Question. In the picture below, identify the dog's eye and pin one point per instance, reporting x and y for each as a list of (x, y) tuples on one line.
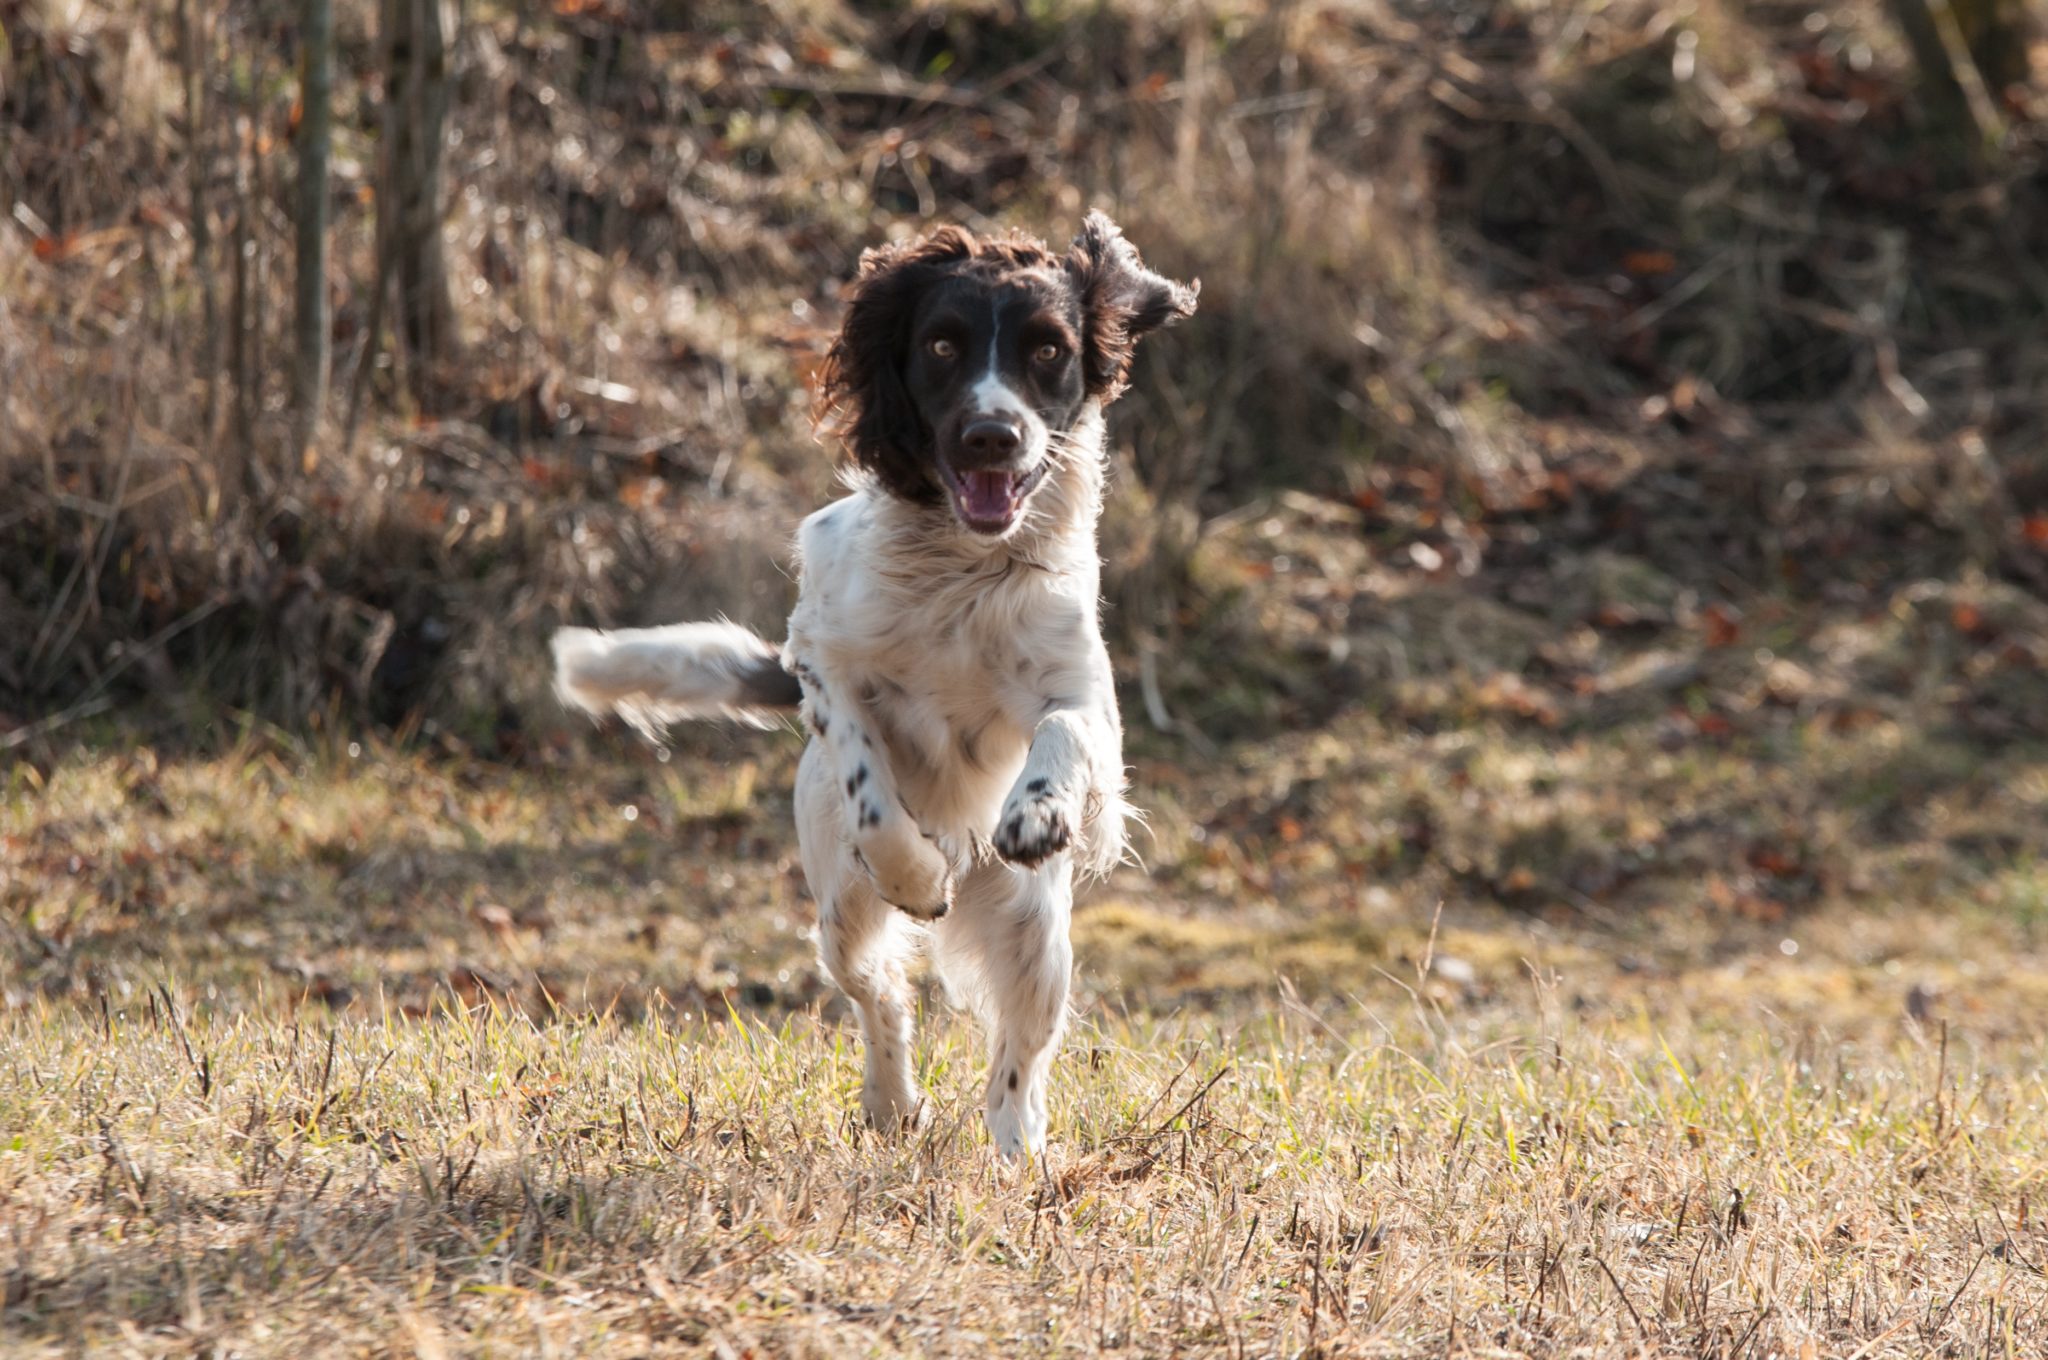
[(943, 349), (1046, 354)]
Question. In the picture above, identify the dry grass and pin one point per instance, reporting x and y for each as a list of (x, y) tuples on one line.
[(1413, 1180), (311, 1051)]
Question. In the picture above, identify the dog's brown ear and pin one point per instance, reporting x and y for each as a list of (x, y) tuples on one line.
[(1121, 300), (861, 387)]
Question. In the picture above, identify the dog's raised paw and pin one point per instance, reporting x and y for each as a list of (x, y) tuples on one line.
[(1034, 826), (921, 908), (917, 882)]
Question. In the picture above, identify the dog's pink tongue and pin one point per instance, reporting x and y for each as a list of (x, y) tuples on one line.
[(986, 494)]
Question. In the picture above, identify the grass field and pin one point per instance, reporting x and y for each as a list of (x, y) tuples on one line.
[(1579, 594), (384, 1052)]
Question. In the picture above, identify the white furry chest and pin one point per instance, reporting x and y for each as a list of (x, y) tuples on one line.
[(954, 698), (951, 654)]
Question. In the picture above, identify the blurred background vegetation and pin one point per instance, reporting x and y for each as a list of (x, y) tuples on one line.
[(1609, 469), (1740, 291)]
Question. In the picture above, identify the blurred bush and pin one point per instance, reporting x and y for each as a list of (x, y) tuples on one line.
[(1722, 287)]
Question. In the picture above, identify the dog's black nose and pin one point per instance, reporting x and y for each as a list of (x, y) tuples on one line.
[(989, 440)]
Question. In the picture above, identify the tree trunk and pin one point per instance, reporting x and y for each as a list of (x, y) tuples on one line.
[(1998, 34), (315, 332), (195, 42), (1968, 52), (243, 337), (418, 40)]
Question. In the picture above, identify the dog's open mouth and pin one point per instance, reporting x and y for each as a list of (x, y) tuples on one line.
[(988, 500)]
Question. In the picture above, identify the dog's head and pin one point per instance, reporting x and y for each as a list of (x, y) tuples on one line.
[(965, 362)]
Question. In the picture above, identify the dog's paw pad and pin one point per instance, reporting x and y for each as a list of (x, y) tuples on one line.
[(1034, 827)]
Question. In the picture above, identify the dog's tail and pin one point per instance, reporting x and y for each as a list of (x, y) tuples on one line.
[(655, 676)]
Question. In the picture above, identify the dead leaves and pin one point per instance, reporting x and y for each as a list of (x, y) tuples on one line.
[(1721, 624), (1653, 263), (1512, 696)]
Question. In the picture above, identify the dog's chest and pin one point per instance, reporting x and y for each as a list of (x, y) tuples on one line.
[(955, 675), (957, 687)]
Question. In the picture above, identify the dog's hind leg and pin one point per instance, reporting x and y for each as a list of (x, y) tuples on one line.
[(1005, 951), (863, 943)]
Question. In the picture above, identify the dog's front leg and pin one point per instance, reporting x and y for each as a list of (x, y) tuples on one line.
[(1075, 757), (909, 871)]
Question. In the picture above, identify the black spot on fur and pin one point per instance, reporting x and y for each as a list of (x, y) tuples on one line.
[(1037, 785), (1013, 1079), (763, 683)]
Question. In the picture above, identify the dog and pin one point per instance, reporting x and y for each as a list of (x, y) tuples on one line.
[(965, 760)]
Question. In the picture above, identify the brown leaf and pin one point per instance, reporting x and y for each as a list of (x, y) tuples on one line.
[(643, 493), (1774, 862), (1504, 692), (1722, 624), (156, 215)]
